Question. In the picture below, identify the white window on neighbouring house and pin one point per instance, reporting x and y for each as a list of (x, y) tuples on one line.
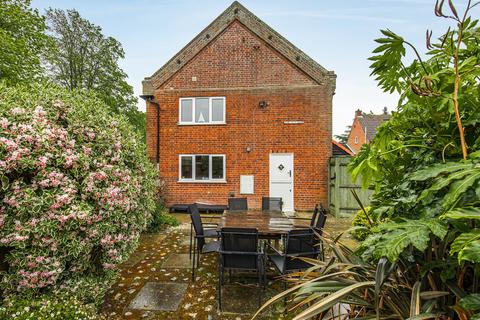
[(202, 110), (356, 140), (202, 167)]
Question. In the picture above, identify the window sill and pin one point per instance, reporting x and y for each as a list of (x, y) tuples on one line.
[(202, 124), (202, 181)]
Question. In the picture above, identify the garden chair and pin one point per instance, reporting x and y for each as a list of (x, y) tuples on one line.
[(200, 246), (312, 220), (209, 229), (237, 204), (298, 243), (319, 226), (272, 204), (240, 250)]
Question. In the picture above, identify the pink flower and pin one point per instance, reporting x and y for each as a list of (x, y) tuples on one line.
[(42, 162), (86, 150), (4, 123), (108, 265), (16, 111)]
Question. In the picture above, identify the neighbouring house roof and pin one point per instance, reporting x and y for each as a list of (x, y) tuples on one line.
[(339, 149), (370, 122), (238, 12)]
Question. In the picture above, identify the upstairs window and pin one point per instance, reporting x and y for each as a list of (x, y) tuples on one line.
[(202, 110), (202, 167)]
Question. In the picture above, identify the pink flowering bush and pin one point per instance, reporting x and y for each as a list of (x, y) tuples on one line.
[(76, 190)]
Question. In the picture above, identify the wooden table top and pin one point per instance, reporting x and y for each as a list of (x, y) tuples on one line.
[(266, 222)]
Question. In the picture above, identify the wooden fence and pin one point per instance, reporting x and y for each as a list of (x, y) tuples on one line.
[(341, 200)]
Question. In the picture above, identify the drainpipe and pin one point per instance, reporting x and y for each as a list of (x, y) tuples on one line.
[(151, 99)]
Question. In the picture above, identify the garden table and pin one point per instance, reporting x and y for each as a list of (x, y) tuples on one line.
[(268, 223)]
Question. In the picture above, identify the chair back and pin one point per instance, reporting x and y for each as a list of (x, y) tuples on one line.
[(272, 204), (322, 219), (314, 216), (197, 224), (237, 204), (239, 247), (300, 243)]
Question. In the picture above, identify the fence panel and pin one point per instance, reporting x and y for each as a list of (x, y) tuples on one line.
[(342, 202)]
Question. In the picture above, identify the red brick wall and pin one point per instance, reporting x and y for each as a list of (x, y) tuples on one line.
[(356, 131), (241, 67)]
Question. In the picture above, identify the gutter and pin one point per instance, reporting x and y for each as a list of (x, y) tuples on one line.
[(151, 99)]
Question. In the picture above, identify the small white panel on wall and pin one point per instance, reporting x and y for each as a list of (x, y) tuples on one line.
[(246, 184)]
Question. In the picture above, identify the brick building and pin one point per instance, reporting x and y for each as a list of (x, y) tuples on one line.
[(364, 128), (240, 111)]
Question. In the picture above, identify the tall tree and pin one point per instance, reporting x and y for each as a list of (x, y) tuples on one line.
[(22, 41), (343, 138), (84, 58)]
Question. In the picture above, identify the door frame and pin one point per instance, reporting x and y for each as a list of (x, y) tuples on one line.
[(293, 174)]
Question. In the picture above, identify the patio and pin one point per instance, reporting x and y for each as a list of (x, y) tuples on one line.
[(155, 283)]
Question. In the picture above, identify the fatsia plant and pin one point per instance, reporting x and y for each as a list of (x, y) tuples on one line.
[(425, 161)]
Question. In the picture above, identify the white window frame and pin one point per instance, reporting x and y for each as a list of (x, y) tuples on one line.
[(210, 122), (356, 139), (210, 179)]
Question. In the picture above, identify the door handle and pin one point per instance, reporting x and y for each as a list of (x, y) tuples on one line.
[(290, 173)]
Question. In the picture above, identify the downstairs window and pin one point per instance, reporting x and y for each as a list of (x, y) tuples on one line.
[(202, 167)]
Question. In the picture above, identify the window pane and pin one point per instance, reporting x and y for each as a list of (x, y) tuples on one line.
[(201, 167), (186, 167), (186, 108), (201, 110), (217, 110), (217, 167)]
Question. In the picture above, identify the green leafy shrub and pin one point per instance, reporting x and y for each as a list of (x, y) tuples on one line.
[(48, 308), (362, 224), (76, 190), (161, 219)]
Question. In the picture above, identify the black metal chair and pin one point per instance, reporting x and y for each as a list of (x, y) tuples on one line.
[(298, 243), (322, 219), (312, 220), (272, 204), (237, 204), (240, 251), (209, 229), (200, 246)]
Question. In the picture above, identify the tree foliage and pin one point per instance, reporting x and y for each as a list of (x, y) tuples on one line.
[(84, 58), (22, 41)]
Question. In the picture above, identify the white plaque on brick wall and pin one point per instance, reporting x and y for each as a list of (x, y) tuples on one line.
[(246, 184)]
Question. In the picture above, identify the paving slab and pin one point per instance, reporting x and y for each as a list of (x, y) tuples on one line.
[(159, 296), (134, 258), (178, 260)]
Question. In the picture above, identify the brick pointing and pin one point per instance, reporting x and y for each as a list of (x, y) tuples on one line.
[(242, 67)]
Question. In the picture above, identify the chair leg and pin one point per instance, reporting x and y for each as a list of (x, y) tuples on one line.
[(198, 258), (191, 235), (220, 283), (285, 298), (193, 261)]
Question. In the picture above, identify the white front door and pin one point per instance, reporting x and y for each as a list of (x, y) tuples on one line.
[(281, 178)]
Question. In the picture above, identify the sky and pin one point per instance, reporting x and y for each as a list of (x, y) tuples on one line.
[(339, 35)]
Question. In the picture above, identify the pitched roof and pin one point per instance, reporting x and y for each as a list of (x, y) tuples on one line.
[(238, 12), (339, 149), (370, 122)]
